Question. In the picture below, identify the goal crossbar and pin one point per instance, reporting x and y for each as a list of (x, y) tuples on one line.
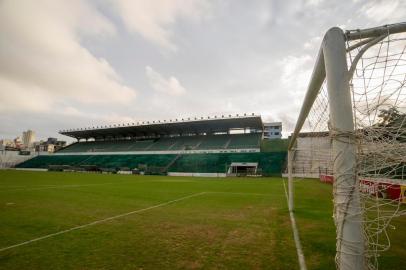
[(319, 72)]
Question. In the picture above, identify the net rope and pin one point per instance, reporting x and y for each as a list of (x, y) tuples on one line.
[(378, 90)]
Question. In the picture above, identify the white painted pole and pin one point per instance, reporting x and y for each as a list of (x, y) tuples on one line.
[(347, 212), (376, 31), (316, 81), (290, 180)]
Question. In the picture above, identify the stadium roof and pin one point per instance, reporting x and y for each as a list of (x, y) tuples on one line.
[(164, 128)]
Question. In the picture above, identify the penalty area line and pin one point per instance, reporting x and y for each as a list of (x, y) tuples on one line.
[(101, 221)]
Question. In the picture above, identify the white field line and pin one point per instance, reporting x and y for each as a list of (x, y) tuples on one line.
[(243, 193), (237, 193), (126, 214), (13, 187), (52, 187), (101, 221), (300, 255), (39, 187), (5, 188)]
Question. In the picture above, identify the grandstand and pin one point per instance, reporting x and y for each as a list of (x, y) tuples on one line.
[(186, 147), (177, 143)]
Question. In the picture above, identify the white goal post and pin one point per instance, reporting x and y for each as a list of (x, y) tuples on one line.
[(345, 115)]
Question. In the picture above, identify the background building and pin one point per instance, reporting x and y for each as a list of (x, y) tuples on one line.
[(28, 138), (50, 145), (6, 143), (273, 130), (18, 143)]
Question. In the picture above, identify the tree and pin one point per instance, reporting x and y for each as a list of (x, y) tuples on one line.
[(391, 117)]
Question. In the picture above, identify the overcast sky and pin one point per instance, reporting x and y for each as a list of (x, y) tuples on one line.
[(71, 64)]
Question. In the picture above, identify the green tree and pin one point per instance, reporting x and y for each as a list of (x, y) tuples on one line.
[(391, 117)]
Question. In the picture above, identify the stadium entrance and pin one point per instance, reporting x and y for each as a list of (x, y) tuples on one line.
[(243, 169)]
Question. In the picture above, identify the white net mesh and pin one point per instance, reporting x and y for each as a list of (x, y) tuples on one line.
[(378, 97)]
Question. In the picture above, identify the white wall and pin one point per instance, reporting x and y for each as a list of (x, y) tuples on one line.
[(312, 156), (11, 158)]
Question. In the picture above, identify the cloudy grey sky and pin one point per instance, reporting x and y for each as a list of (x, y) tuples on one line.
[(70, 64)]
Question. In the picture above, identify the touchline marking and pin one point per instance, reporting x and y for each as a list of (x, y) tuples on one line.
[(51, 187), (101, 221), (22, 187), (241, 193), (300, 255)]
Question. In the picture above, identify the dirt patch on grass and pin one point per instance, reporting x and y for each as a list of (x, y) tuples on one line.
[(240, 237), (244, 214), (202, 232), (190, 265)]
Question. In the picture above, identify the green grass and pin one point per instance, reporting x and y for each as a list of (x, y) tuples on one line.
[(231, 226)]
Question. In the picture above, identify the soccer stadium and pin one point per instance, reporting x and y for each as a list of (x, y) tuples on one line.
[(232, 190), (224, 146)]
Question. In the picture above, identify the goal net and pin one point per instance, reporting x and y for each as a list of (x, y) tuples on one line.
[(351, 133)]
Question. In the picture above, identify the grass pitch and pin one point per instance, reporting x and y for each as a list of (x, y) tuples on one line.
[(184, 223)]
